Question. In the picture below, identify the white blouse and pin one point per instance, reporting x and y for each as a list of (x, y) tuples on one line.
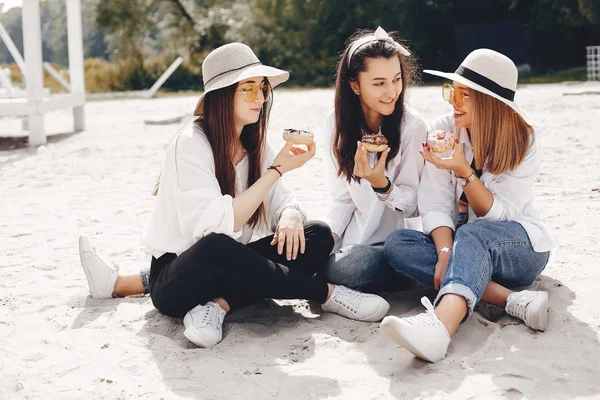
[(513, 193), (355, 213), (189, 204)]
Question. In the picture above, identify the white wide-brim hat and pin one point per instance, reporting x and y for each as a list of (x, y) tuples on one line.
[(491, 73), (232, 63)]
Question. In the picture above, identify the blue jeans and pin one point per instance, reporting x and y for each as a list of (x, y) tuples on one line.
[(482, 251), (362, 267)]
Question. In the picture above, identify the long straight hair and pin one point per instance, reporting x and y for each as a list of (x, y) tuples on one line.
[(217, 122), (350, 121), (500, 137)]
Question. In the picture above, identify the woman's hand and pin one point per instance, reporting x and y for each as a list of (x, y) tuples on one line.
[(375, 176), (290, 157), (457, 161), (440, 270), (290, 232)]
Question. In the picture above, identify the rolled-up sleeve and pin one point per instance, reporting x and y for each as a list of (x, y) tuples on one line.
[(437, 190), (436, 198), (513, 190), (279, 197), (341, 204), (404, 194), (201, 207)]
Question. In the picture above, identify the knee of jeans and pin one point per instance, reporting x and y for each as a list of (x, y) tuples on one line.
[(402, 236), (396, 243), (468, 233)]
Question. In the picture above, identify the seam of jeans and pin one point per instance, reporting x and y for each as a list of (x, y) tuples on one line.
[(488, 258)]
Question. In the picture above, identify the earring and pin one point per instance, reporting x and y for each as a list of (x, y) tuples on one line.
[(356, 92)]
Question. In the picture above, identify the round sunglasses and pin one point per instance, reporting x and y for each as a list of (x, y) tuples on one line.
[(251, 93), (449, 92)]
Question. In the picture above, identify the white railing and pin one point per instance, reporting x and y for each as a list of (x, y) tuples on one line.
[(593, 63)]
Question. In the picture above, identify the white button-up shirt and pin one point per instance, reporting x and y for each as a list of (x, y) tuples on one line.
[(513, 193), (189, 204), (355, 213)]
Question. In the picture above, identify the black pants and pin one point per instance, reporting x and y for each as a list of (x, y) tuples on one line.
[(219, 266)]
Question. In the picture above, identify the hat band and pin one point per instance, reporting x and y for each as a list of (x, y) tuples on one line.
[(486, 83), (231, 70)]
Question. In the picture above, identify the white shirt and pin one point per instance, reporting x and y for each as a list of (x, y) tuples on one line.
[(513, 193), (355, 213), (189, 204)]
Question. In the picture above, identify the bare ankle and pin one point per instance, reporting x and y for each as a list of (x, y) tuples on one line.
[(451, 310), (128, 285), (330, 289), (221, 302)]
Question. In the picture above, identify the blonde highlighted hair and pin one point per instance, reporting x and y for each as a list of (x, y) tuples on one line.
[(500, 137)]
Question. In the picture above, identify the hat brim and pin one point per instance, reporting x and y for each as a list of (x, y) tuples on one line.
[(462, 80), (274, 75)]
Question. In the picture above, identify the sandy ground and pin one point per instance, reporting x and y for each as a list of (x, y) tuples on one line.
[(57, 342)]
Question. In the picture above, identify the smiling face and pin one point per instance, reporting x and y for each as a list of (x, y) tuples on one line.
[(245, 113), (463, 116), (379, 87)]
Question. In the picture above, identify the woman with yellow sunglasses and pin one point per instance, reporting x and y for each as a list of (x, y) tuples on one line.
[(487, 181), (219, 183)]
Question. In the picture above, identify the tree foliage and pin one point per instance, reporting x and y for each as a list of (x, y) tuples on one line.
[(306, 36)]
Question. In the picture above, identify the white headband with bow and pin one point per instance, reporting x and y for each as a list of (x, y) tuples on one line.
[(380, 34)]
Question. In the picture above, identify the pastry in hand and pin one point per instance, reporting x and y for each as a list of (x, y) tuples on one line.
[(440, 140), (298, 136), (375, 142)]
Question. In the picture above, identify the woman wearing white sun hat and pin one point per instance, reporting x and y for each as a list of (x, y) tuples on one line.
[(489, 178), (219, 182)]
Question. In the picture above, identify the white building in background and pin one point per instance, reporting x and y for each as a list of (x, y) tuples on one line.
[(35, 102)]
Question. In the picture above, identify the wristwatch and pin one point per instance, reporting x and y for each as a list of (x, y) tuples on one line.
[(465, 181)]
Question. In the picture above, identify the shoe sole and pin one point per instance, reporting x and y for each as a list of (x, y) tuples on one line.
[(394, 329), (192, 334), (540, 302), (88, 274)]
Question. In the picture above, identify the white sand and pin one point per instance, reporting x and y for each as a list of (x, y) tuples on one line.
[(56, 342)]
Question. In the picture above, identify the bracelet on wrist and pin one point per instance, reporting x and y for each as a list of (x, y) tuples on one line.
[(384, 189), (446, 250), (276, 168), (465, 181), (297, 208)]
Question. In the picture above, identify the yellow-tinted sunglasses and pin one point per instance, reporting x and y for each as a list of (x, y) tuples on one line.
[(251, 93), (458, 96)]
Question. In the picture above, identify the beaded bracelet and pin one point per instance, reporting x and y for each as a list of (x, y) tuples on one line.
[(297, 208)]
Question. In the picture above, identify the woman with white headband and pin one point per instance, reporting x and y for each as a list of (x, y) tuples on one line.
[(489, 176), (219, 182), (371, 194)]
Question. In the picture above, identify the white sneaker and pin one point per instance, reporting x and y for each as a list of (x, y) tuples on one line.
[(101, 275), (204, 324), (424, 334), (356, 305), (529, 306)]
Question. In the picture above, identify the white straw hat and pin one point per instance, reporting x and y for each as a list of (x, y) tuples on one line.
[(491, 73), (232, 63)]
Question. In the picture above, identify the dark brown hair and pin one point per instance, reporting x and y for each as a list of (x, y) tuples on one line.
[(217, 122), (349, 118)]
